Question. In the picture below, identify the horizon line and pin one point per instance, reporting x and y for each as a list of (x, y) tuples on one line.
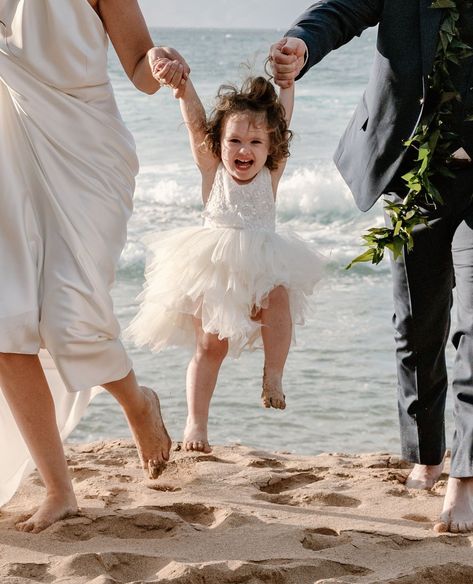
[(187, 27)]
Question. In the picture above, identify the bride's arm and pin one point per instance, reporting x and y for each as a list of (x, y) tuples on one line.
[(129, 34)]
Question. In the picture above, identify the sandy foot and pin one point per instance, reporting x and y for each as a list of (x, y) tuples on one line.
[(457, 514), (424, 476), (195, 438), (151, 437), (53, 509), (272, 395)]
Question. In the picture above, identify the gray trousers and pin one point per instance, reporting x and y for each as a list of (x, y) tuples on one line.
[(423, 280)]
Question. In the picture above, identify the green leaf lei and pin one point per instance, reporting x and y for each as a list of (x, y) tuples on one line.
[(433, 139)]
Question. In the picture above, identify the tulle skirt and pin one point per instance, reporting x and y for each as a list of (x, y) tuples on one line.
[(222, 276)]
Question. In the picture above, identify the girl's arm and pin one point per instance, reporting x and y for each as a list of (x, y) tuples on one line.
[(194, 116), (193, 113), (286, 98), (129, 35)]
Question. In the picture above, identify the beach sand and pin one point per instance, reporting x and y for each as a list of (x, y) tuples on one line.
[(238, 515)]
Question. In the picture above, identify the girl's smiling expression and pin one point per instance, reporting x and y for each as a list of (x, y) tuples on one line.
[(245, 146)]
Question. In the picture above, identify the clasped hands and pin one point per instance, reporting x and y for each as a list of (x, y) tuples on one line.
[(169, 68), (287, 57)]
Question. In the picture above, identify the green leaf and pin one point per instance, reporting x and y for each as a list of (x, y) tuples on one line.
[(367, 256), (397, 228), (443, 4)]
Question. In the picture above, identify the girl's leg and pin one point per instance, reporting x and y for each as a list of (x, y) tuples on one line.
[(27, 392), (202, 374), (277, 333), (142, 410)]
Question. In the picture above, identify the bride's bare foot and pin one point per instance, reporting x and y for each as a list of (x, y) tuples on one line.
[(424, 476), (272, 395), (457, 513), (195, 438), (54, 508), (151, 437)]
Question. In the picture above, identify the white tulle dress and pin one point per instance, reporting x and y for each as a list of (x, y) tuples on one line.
[(222, 272)]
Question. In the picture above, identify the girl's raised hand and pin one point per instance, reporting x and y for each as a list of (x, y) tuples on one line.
[(170, 73)]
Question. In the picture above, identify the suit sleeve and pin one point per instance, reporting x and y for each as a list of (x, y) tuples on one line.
[(329, 24)]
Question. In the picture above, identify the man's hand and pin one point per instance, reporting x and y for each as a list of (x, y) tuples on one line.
[(287, 57), (169, 68)]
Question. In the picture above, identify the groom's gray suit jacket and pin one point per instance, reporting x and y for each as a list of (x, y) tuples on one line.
[(372, 147)]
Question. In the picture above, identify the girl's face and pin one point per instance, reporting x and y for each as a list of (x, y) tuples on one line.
[(244, 146)]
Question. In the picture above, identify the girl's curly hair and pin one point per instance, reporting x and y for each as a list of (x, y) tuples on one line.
[(258, 98)]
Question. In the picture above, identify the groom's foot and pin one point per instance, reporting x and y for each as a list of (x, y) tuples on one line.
[(195, 438), (272, 395), (151, 437), (424, 476), (457, 514)]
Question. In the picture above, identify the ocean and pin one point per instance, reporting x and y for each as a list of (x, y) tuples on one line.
[(340, 379)]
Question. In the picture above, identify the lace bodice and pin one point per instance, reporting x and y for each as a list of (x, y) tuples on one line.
[(248, 206)]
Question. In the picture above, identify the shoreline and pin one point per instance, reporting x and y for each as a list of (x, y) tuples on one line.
[(236, 515)]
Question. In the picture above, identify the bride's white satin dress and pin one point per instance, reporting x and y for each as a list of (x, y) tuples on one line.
[(67, 171)]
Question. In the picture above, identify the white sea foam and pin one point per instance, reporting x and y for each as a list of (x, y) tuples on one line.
[(317, 193)]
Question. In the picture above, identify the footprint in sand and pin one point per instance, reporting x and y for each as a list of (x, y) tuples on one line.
[(264, 463), (191, 513), (188, 461), (210, 458), (141, 525), (28, 571), (271, 571), (305, 499), (324, 531), (122, 478), (110, 461), (115, 497), (322, 538), (450, 573), (277, 485), (81, 473), (406, 493), (108, 567)]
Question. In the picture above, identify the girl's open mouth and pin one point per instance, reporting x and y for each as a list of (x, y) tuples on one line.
[(243, 164)]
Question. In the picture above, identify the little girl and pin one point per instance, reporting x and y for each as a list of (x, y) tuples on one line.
[(232, 283)]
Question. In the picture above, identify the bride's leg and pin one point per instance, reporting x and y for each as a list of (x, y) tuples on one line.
[(277, 333), (143, 412), (202, 374), (27, 392)]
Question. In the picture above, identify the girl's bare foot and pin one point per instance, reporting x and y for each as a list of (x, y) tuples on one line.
[(195, 438), (272, 395), (54, 508), (424, 476), (151, 437), (457, 514)]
